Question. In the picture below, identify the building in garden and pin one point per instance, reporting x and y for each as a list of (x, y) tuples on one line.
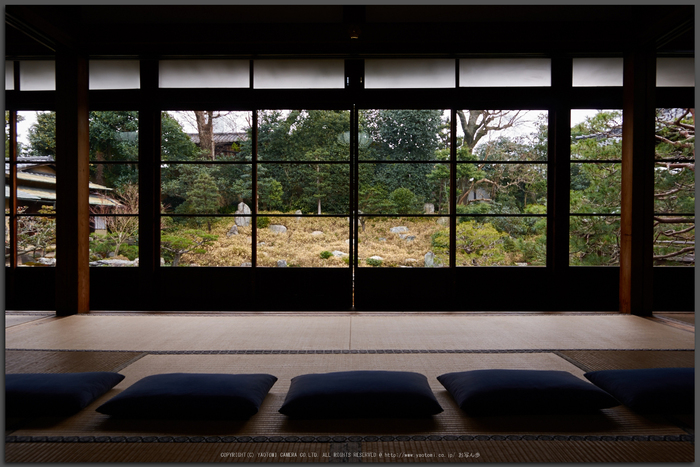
[(402, 187)]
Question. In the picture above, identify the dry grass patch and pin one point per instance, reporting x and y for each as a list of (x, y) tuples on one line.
[(302, 244)]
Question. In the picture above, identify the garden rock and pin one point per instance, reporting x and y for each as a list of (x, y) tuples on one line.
[(409, 238), (429, 208), (316, 233), (400, 229), (382, 239), (378, 258), (233, 231), (443, 220), (429, 259), (298, 213), (281, 263), (276, 228), (243, 212), (111, 263), (246, 265), (339, 254)]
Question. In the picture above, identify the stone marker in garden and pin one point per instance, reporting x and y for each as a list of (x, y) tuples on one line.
[(242, 215), (429, 259)]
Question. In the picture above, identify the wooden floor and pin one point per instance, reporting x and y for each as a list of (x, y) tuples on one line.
[(286, 345)]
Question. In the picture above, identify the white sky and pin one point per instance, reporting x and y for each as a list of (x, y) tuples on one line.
[(237, 122)]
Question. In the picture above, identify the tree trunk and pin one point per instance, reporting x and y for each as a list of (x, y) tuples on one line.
[(205, 129)]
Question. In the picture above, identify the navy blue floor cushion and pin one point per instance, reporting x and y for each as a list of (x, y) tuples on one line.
[(360, 394), (191, 396), (55, 394), (659, 390), (500, 392)]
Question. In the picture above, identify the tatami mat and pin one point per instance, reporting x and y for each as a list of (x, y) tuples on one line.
[(39, 361), (688, 318), (374, 452), (629, 359), (14, 320), (268, 422), (347, 332)]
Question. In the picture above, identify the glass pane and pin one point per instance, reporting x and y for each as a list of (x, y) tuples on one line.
[(675, 72), (39, 75), (304, 135), (403, 188), (595, 188), (409, 73), (674, 173), (34, 192), (598, 71), (114, 136), (502, 135), (206, 135), (304, 242), (499, 241), (310, 188), (36, 139), (114, 240), (204, 241), (204, 73), (114, 188), (9, 75), (403, 242), (36, 238), (501, 188), (594, 241), (299, 74), (115, 74), (404, 135), (490, 72), (205, 188), (675, 134), (596, 134), (674, 241)]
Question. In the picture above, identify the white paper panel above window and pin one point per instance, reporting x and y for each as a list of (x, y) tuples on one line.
[(204, 74), (505, 72), (398, 73), (114, 74), (675, 72), (299, 74), (39, 75), (593, 72), (9, 75)]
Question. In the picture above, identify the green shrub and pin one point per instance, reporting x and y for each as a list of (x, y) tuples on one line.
[(374, 262), (263, 222), (326, 254)]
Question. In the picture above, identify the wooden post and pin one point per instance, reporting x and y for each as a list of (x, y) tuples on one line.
[(559, 180), (637, 200), (149, 186), (72, 178)]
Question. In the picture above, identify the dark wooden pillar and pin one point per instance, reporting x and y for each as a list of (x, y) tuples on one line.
[(149, 186), (558, 182), (637, 205), (72, 178)]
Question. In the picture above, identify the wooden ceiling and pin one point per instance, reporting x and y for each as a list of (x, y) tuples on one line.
[(325, 30)]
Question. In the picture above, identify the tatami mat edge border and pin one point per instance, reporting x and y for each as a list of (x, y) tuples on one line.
[(335, 439)]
